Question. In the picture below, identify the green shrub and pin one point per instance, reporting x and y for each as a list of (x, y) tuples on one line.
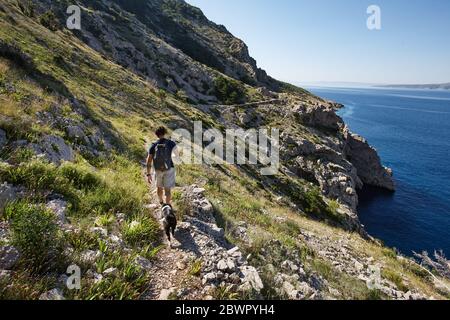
[(80, 177), (27, 8), (141, 231), (228, 91), (49, 20), (120, 189), (34, 232)]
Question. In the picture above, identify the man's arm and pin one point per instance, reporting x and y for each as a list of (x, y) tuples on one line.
[(149, 167)]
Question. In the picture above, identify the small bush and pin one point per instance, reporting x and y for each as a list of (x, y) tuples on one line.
[(34, 231), (228, 91), (49, 20), (196, 268), (141, 231)]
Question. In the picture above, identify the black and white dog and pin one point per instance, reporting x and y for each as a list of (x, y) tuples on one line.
[(169, 220)]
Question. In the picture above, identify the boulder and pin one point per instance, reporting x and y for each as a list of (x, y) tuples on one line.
[(111, 272), (55, 294), (166, 293), (7, 194), (54, 149), (9, 256), (143, 263), (90, 256), (251, 276), (59, 208)]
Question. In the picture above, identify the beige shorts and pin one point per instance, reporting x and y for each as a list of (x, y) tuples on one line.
[(166, 179)]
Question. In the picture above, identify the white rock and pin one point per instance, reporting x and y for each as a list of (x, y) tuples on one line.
[(143, 263), (59, 208), (222, 265), (290, 291), (231, 265), (181, 265), (111, 272), (251, 275), (198, 191), (9, 256), (7, 194), (90, 256), (232, 251), (359, 266), (166, 293), (54, 294), (100, 231), (209, 277)]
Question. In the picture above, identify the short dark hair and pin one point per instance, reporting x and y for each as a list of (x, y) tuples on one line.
[(161, 132)]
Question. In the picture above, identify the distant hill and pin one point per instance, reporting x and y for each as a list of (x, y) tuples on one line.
[(442, 86)]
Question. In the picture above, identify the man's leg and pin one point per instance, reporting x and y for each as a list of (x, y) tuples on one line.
[(160, 195), (168, 193)]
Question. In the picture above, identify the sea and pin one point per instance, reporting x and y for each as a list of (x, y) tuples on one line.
[(411, 131)]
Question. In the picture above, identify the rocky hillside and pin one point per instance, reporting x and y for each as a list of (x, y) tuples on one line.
[(77, 109)]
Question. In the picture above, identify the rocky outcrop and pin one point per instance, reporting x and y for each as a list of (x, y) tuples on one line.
[(54, 149), (367, 161), (319, 116), (223, 264)]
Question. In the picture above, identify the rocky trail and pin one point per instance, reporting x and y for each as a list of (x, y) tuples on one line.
[(201, 264)]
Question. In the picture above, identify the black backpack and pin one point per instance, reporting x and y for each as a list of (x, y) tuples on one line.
[(162, 159)]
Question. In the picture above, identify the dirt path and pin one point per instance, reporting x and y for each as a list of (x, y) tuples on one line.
[(201, 261), (171, 277)]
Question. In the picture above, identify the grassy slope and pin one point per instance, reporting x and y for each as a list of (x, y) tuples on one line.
[(131, 108)]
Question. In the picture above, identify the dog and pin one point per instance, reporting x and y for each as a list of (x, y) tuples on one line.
[(169, 221)]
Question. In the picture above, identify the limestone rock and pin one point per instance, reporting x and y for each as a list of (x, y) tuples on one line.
[(90, 256), (7, 194), (319, 115), (55, 294), (251, 275), (111, 272), (59, 207), (9, 256), (54, 149), (143, 263), (100, 231), (166, 293), (367, 161)]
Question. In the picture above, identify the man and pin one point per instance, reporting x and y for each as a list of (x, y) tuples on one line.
[(160, 156)]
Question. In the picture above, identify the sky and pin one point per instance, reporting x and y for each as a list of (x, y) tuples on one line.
[(304, 41)]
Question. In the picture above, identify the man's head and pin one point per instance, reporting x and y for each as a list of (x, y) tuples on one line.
[(161, 132)]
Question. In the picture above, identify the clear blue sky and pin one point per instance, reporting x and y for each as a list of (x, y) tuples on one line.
[(328, 40)]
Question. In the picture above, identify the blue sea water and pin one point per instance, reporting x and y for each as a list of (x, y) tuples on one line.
[(411, 131)]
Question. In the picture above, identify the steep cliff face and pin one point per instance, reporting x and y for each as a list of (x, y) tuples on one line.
[(166, 41)]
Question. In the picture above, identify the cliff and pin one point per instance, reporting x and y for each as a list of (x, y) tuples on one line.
[(77, 109)]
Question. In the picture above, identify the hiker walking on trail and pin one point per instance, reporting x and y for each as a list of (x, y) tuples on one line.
[(160, 157)]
